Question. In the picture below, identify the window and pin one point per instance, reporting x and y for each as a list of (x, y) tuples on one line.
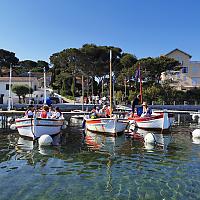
[(7, 86), (184, 78), (35, 87), (179, 58), (185, 70)]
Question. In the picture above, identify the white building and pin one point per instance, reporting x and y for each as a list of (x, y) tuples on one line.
[(186, 78), (4, 87)]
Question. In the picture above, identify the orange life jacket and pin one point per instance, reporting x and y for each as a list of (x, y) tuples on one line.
[(44, 114)]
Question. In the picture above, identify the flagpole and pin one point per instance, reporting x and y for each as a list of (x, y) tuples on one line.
[(110, 83), (140, 84), (45, 92)]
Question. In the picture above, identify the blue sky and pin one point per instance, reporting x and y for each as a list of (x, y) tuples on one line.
[(35, 29)]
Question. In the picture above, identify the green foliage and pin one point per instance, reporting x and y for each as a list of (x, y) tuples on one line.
[(63, 89), (132, 95), (151, 68), (151, 93), (119, 96), (7, 58), (21, 91)]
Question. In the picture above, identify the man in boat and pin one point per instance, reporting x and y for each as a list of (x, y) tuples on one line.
[(136, 101), (94, 113), (146, 111)]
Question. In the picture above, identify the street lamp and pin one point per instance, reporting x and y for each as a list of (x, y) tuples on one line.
[(29, 81)]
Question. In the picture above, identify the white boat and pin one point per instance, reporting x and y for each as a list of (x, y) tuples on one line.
[(36, 127), (77, 119), (112, 126), (161, 121)]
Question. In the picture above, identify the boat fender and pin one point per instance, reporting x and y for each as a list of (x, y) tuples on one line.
[(64, 126), (45, 140), (13, 127), (150, 138), (196, 133), (195, 140)]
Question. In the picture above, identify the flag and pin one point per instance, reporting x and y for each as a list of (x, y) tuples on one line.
[(137, 74)]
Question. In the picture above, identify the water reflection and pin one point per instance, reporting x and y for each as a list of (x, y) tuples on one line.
[(24, 144), (101, 167), (161, 140)]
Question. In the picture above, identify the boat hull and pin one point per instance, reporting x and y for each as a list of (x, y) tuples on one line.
[(106, 125), (34, 128), (158, 121)]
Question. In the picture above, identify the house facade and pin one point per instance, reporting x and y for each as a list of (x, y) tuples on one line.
[(188, 77), (4, 87)]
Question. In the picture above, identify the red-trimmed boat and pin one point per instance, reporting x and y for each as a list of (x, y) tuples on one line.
[(36, 127), (110, 126), (157, 120)]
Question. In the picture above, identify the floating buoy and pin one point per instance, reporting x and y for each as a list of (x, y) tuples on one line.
[(195, 117), (13, 127), (148, 146), (150, 138), (64, 126), (195, 140), (196, 133), (45, 140)]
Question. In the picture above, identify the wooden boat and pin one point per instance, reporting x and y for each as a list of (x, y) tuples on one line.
[(36, 127), (112, 126), (160, 121)]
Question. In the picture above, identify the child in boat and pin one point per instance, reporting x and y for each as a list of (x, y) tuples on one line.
[(94, 113), (102, 111), (45, 112), (146, 111), (57, 114), (29, 113)]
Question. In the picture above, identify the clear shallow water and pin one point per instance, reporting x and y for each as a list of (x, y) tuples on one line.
[(100, 167)]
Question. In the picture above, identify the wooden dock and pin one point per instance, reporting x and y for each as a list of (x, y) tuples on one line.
[(178, 110)]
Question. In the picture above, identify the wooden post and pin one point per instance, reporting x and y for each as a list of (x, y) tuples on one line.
[(110, 83)]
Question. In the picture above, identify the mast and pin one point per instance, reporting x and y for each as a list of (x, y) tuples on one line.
[(82, 93), (45, 92), (140, 84), (9, 94), (110, 82)]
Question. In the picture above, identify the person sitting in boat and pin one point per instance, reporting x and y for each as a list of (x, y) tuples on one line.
[(45, 112), (57, 114), (108, 111), (94, 113), (146, 111), (30, 112), (102, 111)]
